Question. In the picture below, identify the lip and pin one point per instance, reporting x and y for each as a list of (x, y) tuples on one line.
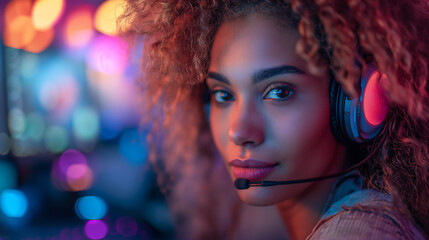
[(251, 169)]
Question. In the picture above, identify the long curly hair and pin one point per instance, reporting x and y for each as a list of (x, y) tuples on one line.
[(178, 35)]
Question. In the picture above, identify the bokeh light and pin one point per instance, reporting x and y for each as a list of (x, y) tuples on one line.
[(78, 30), (133, 147), (19, 29), (70, 157), (40, 41), (90, 208), (59, 90), (35, 126), (13, 203), (71, 172), (95, 229), (9, 175), (30, 64), (16, 8), (45, 13), (108, 55), (19, 32), (56, 139), (5, 143), (107, 15), (126, 226), (86, 124), (79, 177), (16, 121)]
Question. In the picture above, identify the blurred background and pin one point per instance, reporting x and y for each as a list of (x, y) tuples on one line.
[(72, 152)]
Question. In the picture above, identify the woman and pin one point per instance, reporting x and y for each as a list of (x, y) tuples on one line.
[(269, 68)]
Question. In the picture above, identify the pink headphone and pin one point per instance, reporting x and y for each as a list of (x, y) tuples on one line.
[(359, 119)]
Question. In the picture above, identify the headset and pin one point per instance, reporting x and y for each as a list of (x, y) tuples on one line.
[(360, 119), (352, 120)]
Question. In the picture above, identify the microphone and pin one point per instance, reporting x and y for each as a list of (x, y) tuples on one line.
[(242, 183)]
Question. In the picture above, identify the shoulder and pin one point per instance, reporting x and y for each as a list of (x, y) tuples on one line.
[(361, 222), (373, 217)]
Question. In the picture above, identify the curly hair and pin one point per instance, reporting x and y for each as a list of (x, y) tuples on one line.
[(178, 35)]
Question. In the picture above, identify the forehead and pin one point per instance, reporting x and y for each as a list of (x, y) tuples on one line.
[(256, 41)]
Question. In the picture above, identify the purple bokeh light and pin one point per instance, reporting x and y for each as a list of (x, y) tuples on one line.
[(69, 158), (95, 229)]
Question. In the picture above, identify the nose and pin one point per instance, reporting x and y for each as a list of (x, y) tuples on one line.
[(247, 126)]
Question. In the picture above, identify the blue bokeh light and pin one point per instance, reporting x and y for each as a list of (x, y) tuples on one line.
[(90, 208), (13, 203), (9, 175), (133, 147), (86, 124)]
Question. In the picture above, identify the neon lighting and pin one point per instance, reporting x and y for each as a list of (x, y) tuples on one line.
[(78, 31), (375, 103), (13, 203), (46, 13), (95, 229), (90, 208), (107, 15)]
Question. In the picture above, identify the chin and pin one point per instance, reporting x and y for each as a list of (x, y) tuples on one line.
[(260, 197)]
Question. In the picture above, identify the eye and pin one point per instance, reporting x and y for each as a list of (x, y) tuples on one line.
[(222, 96), (279, 92)]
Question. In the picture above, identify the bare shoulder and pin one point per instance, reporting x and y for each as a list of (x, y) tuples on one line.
[(364, 222)]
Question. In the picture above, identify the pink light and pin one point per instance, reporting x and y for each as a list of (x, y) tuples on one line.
[(68, 158), (71, 171), (79, 177), (76, 171), (95, 229), (78, 30), (108, 55), (375, 103)]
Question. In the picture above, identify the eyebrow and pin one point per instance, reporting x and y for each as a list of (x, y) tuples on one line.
[(260, 75)]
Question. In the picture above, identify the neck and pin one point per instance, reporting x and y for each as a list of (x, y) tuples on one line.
[(301, 213)]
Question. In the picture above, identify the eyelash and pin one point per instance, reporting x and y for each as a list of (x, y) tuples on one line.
[(274, 86), (282, 86)]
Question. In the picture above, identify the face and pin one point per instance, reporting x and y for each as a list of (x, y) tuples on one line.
[(269, 116)]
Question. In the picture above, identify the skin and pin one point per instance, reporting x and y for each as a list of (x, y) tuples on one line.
[(282, 119)]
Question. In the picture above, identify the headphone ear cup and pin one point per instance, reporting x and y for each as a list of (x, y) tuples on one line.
[(374, 104), (336, 100), (359, 119)]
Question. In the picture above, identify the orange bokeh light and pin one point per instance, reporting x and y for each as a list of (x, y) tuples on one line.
[(107, 15), (41, 41), (15, 9), (46, 13), (19, 29), (19, 32), (78, 30)]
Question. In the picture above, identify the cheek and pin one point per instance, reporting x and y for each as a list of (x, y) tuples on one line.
[(304, 128), (219, 128)]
